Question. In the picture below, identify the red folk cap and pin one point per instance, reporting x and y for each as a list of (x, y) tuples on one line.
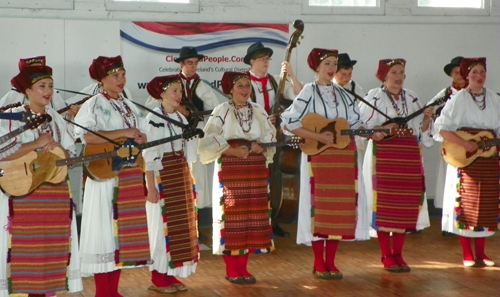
[(385, 65), (30, 75), (317, 55), (229, 78), (468, 63), (104, 66), (26, 62), (160, 84)]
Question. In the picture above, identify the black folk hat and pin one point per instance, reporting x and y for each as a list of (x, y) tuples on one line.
[(455, 62), (188, 52), (345, 61), (256, 48)]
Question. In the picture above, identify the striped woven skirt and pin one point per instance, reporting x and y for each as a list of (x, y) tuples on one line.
[(398, 184), (334, 193), (39, 250), (178, 204), (477, 207), (245, 222), (130, 222)]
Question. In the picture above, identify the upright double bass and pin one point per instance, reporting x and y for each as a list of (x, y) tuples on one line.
[(284, 171)]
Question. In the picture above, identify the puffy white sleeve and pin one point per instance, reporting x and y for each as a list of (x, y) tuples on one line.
[(291, 118), (92, 115), (214, 144), (155, 128), (205, 92), (451, 116)]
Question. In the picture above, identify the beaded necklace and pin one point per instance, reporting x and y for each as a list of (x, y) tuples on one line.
[(244, 115), (329, 96), (404, 108), (480, 103), (172, 131), (127, 115)]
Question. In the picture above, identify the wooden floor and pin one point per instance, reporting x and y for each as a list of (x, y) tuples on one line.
[(436, 264)]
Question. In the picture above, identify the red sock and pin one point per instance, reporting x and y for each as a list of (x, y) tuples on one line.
[(319, 262), (398, 240), (231, 266), (480, 244), (467, 248), (101, 284), (384, 240), (331, 250), (158, 279), (114, 279), (171, 280), (242, 262)]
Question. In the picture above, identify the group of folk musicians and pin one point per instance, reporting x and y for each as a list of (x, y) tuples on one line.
[(361, 169)]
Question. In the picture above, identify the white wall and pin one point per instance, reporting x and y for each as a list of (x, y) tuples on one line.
[(72, 38)]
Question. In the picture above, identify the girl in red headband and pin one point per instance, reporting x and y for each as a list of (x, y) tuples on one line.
[(320, 224), (470, 209), (240, 202), (42, 232), (395, 165)]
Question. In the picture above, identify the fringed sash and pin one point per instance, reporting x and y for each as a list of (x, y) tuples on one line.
[(478, 203), (40, 240), (245, 202), (130, 223), (334, 193), (178, 209), (398, 184)]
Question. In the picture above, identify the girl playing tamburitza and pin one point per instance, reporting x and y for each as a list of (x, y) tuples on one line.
[(170, 199), (240, 198), (470, 207), (396, 197), (43, 252), (113, 209), (327, 214)]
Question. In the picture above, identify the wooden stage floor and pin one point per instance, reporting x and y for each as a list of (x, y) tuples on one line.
[(436, 263)]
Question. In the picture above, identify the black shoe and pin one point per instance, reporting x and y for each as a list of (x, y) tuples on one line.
[(447, 234), (201, 236), (278, 231)]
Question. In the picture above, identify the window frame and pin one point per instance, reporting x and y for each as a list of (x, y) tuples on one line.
[(379, 9), (451, 11), (38, 4), (192, 6)]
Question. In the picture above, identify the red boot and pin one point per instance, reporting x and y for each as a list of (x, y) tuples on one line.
[(102, 285), (114, 279)]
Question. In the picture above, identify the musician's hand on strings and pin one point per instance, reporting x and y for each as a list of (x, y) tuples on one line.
[(256, 148), (72, 111), (46, 142), (325, 137), (272, 118), (153, 195), (470, 146), (428, 113), (377, 136), (183, 110), (239, 152), (286, 67), (141, 138)]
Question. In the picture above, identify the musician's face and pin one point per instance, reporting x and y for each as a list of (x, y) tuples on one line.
[(260, 63), (395, 77), (40, 93), (114, 83), (457, 77), (189, 66), (327, 69), (477, 77), (343, 76), (172, 96), (242, 89)]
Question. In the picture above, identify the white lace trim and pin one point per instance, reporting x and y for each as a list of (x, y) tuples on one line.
[(3, 284), (73, 274), (10, 151), (99, 258)]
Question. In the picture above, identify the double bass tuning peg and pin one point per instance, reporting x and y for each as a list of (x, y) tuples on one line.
[(302, 37)]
